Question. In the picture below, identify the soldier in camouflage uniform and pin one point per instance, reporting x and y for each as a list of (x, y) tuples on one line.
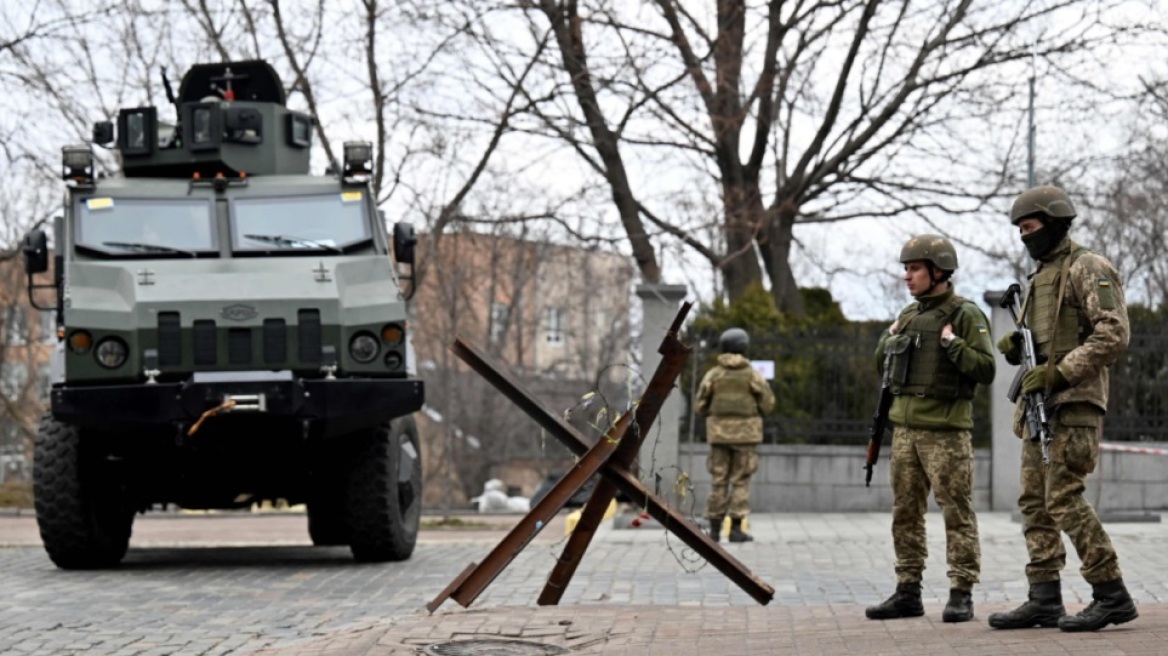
[(1075, 309), (733, 397), (936, 353)]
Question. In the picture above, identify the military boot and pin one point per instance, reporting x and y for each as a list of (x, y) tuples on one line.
[(715, 528), (905, 602), (736, 532), (1111, 605), (960, 606), (1043, 608)]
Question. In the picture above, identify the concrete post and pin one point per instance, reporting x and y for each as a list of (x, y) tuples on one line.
[(661, 451), (1006, 455)]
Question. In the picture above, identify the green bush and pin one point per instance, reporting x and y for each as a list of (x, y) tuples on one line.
[(15, 494)]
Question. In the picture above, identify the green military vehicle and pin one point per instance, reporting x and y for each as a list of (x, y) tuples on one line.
[(231, 330)]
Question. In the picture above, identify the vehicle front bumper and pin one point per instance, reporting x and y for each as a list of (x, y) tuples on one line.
[(338, 405)]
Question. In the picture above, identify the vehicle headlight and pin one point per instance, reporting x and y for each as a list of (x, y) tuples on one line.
[(111, 353), (364, 347)]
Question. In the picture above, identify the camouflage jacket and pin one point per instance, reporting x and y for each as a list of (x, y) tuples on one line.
[(971, 352), (733, 397), (1095, 293)]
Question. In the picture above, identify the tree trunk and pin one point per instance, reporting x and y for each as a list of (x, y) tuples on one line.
[(775, 244), (742, 213)]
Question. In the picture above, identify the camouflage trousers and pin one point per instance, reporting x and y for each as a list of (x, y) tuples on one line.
[(940, 460), (730, 467), (1052, 503)]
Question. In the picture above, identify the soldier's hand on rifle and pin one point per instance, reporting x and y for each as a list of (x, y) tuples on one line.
[(1011, 347), (1035, 380), (894, 327)]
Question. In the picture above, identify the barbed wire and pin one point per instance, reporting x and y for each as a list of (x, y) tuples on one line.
[(653, 477)]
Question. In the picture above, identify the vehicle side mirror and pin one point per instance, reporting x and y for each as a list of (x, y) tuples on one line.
[(36, 252), (103, 133), (404, 240)]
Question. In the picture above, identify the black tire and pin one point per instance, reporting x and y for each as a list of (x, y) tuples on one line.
[(383, 495), (84, 518)]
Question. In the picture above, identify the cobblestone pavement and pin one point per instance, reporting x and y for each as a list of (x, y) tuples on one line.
[(636, 592)]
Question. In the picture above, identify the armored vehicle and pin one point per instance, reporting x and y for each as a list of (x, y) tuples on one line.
[(231, 329)]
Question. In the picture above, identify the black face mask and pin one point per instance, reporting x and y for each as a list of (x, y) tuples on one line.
[(1042, 241)]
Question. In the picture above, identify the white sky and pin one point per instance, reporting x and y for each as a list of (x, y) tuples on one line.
[(855, 260)]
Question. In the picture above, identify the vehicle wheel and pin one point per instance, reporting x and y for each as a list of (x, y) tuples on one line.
[(384, 493), (84, 518)]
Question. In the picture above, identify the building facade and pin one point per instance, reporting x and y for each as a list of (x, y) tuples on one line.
[(556, 316)]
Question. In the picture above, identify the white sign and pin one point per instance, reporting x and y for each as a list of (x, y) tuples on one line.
[(764, 367)]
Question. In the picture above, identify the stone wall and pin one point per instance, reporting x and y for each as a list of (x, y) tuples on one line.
[(818, 478), (810, 478)]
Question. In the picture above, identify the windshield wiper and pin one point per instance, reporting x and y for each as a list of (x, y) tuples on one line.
[(149, 248), (286, 240)]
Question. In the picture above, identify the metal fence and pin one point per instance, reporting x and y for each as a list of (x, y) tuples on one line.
[(826, 386), (1138, 404)]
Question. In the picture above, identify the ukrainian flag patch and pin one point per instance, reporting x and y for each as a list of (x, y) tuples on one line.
[(1106, 294), (982, 330)]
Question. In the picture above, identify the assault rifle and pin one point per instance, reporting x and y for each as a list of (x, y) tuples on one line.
[(879, 420), (1036, 417)]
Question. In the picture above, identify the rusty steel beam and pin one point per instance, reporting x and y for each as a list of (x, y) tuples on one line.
[(569, 560), (479, 576), (674, 356), (538, 517)]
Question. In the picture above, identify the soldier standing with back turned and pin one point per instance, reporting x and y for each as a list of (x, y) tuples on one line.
[(937, 351), (733, 397), (1075, 309)]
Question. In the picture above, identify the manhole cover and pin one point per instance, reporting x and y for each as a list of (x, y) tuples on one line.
[(494, 648)]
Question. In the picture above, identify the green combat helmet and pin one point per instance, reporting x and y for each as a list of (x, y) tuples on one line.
[(930, 248), (1045, 201), (734, 340)]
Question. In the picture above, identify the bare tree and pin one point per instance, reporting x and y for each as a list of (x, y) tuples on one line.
[(26, 338), (798, 113), (556, 316), (1129, 217)]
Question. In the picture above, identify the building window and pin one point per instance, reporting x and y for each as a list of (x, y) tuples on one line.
[(44, 381), (48, 326), (13, 378), (499, 315), (553, 325), (15, 325), (11, 450)]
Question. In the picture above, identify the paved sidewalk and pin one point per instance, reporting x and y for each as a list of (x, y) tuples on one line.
[(797, 621), (724, 631)]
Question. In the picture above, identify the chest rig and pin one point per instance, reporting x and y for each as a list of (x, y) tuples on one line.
[(1053, 316), (918, 362)]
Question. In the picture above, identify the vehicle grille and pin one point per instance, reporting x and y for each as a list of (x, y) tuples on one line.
[(239, 345), (169, 339), (275, 341), (205, 341), (310, 336), (273, 345)]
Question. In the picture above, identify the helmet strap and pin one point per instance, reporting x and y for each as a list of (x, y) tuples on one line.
[(933, 280)]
